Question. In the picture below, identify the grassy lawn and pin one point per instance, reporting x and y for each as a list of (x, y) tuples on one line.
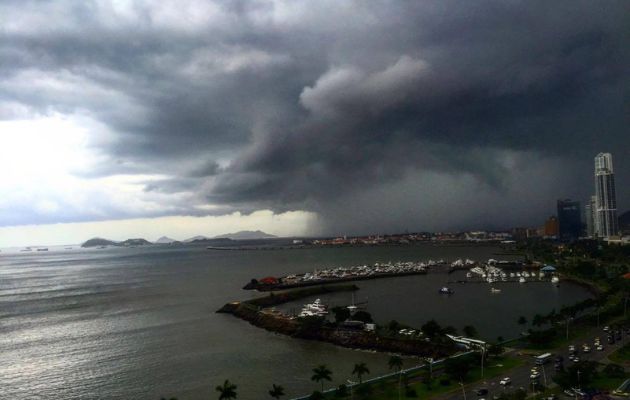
[(388, 390), (621, 356), (606, 383)]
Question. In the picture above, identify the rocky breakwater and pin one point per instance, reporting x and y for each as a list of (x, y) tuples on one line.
[(258, 313)]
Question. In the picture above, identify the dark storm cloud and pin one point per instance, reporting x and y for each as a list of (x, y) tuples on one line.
[(322, 105)]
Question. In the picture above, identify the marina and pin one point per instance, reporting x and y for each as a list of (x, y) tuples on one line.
[(492, 271)]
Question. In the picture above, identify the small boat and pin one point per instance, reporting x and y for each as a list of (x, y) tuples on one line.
[(446, 290), (495, 290), (521, 280)]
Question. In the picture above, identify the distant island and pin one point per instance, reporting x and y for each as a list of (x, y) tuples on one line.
[(225, 239), (98, 242)]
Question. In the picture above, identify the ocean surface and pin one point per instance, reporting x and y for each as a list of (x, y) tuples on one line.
[(140, 323)]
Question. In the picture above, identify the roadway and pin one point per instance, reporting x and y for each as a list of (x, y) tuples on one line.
[(520, 376)]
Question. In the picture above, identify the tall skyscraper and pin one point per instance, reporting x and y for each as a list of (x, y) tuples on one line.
[(605, 198), (569, 219), (589, 217)]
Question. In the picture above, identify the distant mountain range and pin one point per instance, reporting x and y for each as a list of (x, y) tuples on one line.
[(246, 235), (166, 240), (241, 235)]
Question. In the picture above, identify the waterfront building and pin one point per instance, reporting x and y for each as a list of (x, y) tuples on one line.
[(569, 219), (605, 197), (551, 227), (590, 217)]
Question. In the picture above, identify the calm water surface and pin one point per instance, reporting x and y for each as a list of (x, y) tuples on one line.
[(139, 323)]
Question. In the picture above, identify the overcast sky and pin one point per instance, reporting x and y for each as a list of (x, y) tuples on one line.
[(304, 117)]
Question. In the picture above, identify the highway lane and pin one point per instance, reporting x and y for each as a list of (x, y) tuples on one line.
[(520, 376)]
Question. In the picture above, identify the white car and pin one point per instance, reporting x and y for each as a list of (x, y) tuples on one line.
[(505, 381), (586, 349), (572, 348), (600, 348), (534, 375), (606, 329)]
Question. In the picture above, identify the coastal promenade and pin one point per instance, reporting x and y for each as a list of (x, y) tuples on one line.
[(519, 375)]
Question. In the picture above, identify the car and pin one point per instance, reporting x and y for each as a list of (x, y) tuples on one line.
[(606, 328), (586, 349), (534, 375), (571, 348), (578, 392), (552, 397), (600, 348), (505, 381), (576, 359), (534, 370), (481, 392), (569, 392)]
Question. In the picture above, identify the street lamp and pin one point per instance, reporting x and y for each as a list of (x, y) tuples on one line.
[(430, 361)]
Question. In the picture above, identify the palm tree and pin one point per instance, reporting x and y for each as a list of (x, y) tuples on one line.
[(320, 374), (276, 391), (360, 370), (228, 390), (395, 362)]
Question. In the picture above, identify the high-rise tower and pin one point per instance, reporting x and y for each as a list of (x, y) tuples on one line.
[(605, 198), (569, 219)]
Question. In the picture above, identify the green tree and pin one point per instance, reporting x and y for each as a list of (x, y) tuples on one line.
[(431, 329), (393, 326), (227, 390), (359, 370), (470, 331), (457, 368), (276, 391), (395, 362), (321, 373), (363, 316), (522, 320), (317, 395), (341, 314), (495, 349), (342, 391)]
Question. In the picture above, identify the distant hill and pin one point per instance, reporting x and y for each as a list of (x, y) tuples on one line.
[(246, 235), (97, 242), (165, 240), (196, 238)]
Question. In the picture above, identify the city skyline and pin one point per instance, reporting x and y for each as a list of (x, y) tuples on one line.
[(301, 118)]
